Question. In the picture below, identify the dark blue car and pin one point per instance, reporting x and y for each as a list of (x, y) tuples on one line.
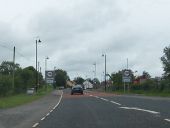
[(77, 89)]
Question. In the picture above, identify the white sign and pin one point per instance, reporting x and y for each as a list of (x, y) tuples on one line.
[(126, 77), (49, 77)]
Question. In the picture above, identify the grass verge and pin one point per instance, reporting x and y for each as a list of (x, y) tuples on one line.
[(20, 99)]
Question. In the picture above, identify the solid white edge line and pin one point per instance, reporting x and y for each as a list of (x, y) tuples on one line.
[(133, 108), (115, 103), (35, 125), (167, 120)]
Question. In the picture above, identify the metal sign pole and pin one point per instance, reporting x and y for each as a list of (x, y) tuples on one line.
[(124, 87)]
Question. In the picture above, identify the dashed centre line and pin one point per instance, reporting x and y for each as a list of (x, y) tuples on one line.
[(43, 118), (115, 102), (96, 97), (104, 99), (48, 114), (133, 108), (168, 120)]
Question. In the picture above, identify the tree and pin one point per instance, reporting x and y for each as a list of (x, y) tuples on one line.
[(166, 62), (96, 81), (146, 75), (79, 80), (117, 78), (61, 77), (6, 67)]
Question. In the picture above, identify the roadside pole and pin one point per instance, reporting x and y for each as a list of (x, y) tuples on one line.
[(13, 74), (124, 87)]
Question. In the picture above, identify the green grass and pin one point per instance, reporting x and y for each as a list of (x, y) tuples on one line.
[(20, 99)]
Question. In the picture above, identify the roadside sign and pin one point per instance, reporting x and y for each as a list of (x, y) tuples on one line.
[(49, 77), (126, 77)]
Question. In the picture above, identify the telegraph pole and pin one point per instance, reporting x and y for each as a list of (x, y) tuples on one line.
[(13, 74)]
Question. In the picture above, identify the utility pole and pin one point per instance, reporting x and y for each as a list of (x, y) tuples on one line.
[(104, 55), (105, 72), (13, 74), (36, 86), (94, 70), (38, 74), (127, 63)]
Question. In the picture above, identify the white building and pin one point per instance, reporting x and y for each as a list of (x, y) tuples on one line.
[(87, 85)]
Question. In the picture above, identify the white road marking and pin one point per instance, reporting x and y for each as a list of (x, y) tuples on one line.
[(167, 120), (96, 97), (48, 114), (58, 101), (35, 125), (43, 118), (133, 108), (115, 102), (104, 99), (91, 95)]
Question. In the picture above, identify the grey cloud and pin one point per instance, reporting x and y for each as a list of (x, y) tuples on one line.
[(75, 33)]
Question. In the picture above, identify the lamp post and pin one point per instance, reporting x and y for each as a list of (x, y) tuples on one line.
[(36, 85), (46, 62), (104, 55), (94, 70)]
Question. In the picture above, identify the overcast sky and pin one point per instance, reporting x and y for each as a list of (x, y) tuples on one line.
[(75, 34)]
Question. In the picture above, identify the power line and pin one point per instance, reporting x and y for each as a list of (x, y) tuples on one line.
[(10, 49)]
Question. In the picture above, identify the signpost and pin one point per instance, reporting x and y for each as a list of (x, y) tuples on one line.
[(126, 77), (49, 77)]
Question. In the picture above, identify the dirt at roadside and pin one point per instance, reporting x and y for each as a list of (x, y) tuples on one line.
[(27, 115)]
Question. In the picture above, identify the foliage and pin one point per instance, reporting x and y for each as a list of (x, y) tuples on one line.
[(5, 85), (24, 78), (96, 81), (79, 80), (60, 77), (6, 67), (117, 78), (166, 62), (146, 75)]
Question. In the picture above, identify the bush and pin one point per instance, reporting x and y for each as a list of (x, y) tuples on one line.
[(5, 85)]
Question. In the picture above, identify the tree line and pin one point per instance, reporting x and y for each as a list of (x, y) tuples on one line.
[(144, 82), (23, 78)]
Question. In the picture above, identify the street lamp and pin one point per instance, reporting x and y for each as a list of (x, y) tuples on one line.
[(104, 55), (36, 86), (94, 70), (46, 62)]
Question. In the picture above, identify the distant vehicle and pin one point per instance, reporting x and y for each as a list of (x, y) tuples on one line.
[(61, 87), (77, 89)]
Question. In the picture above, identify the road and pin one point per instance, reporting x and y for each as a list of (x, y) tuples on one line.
[(26, 115), (101, 110)]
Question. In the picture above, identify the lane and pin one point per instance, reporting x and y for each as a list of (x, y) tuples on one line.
[(92, 112), (161, 105)]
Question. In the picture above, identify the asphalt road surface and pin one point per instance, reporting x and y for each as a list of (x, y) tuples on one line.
[(100, 110)]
